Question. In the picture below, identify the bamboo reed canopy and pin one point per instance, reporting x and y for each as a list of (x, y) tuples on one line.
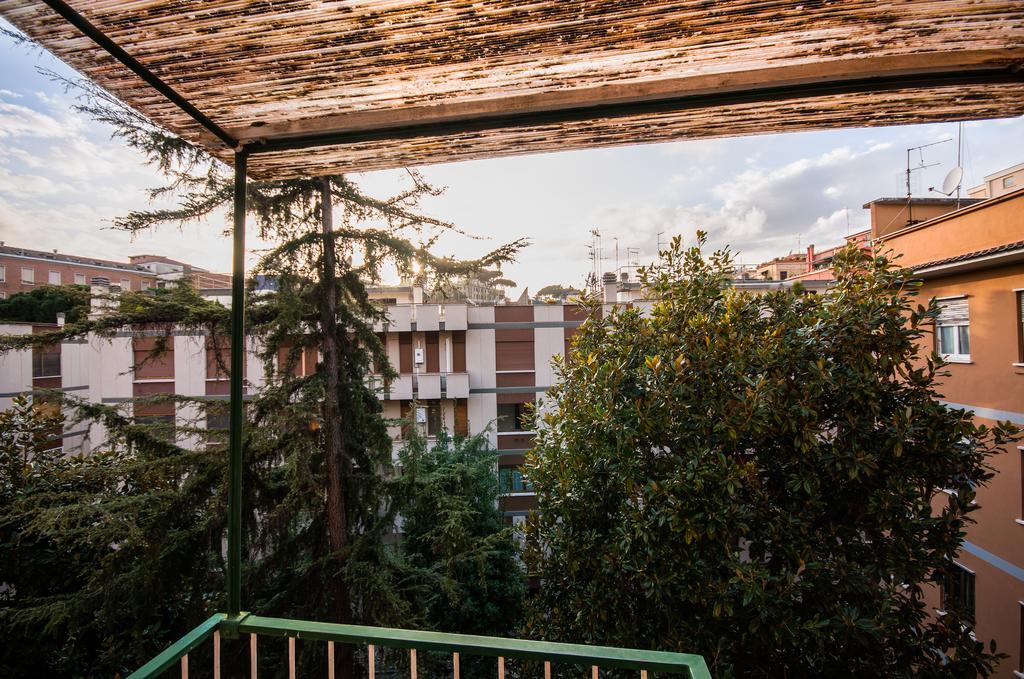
[(317, 86)]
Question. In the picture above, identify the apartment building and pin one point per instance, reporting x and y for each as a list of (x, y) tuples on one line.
[(467, 369), (781, 268), (24, 269), (971, 261), (999, 183)]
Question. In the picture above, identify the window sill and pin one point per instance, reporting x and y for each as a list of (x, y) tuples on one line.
[(1017, 365), (957, 359), (1018, 675), (1019, 521)]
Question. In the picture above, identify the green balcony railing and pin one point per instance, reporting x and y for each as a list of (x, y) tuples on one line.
[(542, 653)]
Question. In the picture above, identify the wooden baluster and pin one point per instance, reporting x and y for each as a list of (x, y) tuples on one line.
[(330, 660), (252, 655), (412, 664), (501, 667), (547, 669), (455, 666), (184, 666), (291, 657), (643, 674), (593, 672), (371, 661), (216, 654)]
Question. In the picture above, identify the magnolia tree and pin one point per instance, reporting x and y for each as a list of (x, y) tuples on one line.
[(757, 478)]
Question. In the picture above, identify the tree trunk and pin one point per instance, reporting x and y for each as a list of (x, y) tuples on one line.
[(334, 450)]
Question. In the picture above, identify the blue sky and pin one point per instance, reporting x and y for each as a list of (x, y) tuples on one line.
[(62, 181)]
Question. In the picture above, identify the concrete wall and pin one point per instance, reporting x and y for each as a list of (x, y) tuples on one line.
[(547, 343), (15, 366), (480, 351), (110, 382)]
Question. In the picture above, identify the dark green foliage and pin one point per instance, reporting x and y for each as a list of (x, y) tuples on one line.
[(752, 478), (42, 304), (453, 530), (464, 559), (106, 557), (143, 518)]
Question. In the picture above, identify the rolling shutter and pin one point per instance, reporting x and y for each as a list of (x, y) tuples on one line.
[(953, 311)]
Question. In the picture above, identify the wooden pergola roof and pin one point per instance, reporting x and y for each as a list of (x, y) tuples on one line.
[(319, 86)]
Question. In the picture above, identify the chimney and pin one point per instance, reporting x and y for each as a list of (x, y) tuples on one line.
[(810, 257), (611, 288)]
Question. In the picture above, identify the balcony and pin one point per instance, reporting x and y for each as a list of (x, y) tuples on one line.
[(455, 317), (251, 629), (457, 385), (427, 317), (399, 319)]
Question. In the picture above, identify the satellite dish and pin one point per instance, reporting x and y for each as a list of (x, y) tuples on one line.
[(952, 181)]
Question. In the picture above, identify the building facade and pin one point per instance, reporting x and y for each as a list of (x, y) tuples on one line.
[(999, 183), (23, 270), (972, 262)]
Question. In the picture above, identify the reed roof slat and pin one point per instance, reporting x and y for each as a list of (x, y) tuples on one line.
[(275, 69)]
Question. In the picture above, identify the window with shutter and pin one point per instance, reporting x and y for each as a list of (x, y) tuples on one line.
[(953, 330)]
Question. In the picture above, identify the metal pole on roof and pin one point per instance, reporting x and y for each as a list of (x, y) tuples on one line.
[(237, 410)]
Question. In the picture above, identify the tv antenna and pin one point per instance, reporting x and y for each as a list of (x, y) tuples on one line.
[(921, 165), (955, 177)]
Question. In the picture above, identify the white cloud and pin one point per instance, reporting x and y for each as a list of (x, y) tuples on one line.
[(21, 121)]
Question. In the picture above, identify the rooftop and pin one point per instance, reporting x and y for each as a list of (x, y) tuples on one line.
[(902, 200), (72, 259)]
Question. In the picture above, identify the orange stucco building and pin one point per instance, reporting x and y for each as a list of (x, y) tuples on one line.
[(972, 262)]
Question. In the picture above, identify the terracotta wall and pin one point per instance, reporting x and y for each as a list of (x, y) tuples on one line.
[(989, 224)]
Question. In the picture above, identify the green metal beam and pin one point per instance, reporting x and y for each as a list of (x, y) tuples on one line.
[(237, 412), (178, 649), (576, 654)]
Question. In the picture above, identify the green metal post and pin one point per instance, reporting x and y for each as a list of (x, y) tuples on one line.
[(237, 412)]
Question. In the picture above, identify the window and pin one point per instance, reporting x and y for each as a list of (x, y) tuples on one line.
[(28, 275), (79, 279), (218, 422), (54, 278), (953, 330), (958, 591), (46, 361), (144, 285), (160, 426), (434, 422), (1020, 649), (1009, 182), (783, 275), (1020, 326), (511, 480), (514, 417), (3, 274), (126, 285), (153, 358)]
